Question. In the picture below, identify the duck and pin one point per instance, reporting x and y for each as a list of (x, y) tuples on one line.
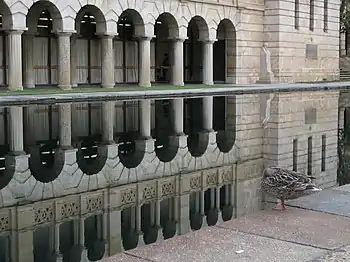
[(285, 184)]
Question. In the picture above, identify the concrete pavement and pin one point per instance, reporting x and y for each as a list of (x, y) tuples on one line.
[(314, 228)]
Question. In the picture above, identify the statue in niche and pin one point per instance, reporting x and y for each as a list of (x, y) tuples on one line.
[(266, 74)]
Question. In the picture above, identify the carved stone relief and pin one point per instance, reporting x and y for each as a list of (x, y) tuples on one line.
[(128, 196), (149, 192), (69, 209), (94, 204), (168, 188), (195, 182), (212, 178), (43, 215), (4, 223)]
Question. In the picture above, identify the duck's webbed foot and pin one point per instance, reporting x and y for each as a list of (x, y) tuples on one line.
[(282, 207)]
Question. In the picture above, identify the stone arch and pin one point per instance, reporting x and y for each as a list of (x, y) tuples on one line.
[(227, 27), (101, 25), (170, 20), (36, 9), (136, 19), (202, 27), (7, 19)]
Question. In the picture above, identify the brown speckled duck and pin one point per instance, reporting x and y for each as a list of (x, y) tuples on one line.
[(285, 184)]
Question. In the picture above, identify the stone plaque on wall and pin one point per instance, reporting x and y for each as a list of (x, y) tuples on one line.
[(310, 116), (311, 51)]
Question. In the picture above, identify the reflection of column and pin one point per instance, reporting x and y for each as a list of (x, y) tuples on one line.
[(183, 215), (16, 130), (28, 68), (64, 77), (178, 115), (107, 63), (160, 233), (208, 113), (138, 225), (208, 63), (108, 109), (197, 201), (177, 77), (65, 125), (212, 198), (82, 238), (114, 233), (105, 231), (202, 208), (217, 190), (145, 62), (145, 115), (15, 60), (73, 60), (59, 256)]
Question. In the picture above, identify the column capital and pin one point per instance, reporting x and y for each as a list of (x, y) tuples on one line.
[(178, 39), (106, 36), (63, 33), (15, 32), (145, 38), (208, 41)]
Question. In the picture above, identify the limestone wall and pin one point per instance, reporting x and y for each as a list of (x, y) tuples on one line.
[(304, 116), (288, 44)]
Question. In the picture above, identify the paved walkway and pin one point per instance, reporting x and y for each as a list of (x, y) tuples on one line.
[(315, 228)]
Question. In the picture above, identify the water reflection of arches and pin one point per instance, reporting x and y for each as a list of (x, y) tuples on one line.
[(224, 121), (129, 227), (40, 44), (194, 126), (6, 173), (87, 136), (166, 145), (131, 148), (41, 127)]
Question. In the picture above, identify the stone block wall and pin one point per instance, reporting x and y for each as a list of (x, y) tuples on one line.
[(288, 43), (293, 137)]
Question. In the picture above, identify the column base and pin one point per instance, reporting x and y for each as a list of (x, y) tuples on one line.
[(59, 257), (84, 256), (145, 84), (29, 86), (204, 223), (220, 220), (141, 242), (160, 234), (108, 86), (178, 83), (65, 87)]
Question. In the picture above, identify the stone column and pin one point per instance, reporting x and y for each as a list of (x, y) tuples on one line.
[(108, 122), (208, 113), (145, 118), (202, 209), (65, 125), (107, 63), (217, 204), (208, 63), (178, 115), (73, 60), (145, 61), (177, 74), (28, 67), (16, 130), (15, 60), (64, 77)]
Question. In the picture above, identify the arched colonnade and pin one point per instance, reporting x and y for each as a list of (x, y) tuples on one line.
[(49, 43)]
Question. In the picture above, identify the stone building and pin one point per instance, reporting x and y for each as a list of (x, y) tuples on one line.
[(70, 43)]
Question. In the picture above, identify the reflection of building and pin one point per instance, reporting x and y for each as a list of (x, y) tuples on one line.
[(67, 43), (134, 172)]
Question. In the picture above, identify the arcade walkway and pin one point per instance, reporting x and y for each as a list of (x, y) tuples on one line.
[(315, 228)]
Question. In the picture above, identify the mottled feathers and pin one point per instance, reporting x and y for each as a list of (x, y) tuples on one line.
[(285, 184)]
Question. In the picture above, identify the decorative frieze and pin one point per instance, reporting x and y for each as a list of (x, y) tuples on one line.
[(69, 209), (148, 192), (168, 189), (225, 175), (128, 196), (211, 177), (94, 203), (4, 222), (44, 214)]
